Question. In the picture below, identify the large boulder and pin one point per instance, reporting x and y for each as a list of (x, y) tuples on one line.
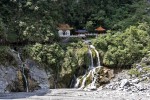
[(12, 80), (7, 76), (37, 74)]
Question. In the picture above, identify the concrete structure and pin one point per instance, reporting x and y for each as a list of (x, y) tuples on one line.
[(64, 30)]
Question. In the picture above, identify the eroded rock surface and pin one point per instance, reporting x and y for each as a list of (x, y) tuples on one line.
[(124, 82), (7, 76), (37, 74), (11, 79)]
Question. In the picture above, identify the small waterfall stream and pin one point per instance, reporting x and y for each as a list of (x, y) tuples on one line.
[(25, 78), (97, 55), (91, 73), (84, 80), (21, 65), (92, 84), (91, 58), (98, 59), (77, 83)]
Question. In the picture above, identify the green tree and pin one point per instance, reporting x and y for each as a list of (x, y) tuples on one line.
[(123, 49)]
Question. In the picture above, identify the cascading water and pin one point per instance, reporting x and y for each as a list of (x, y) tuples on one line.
[(77, 83), (91, 58), (21, 64), (72, 81), (84, 80), (92, 85), (97, 55), (91, 73), (25, 78)]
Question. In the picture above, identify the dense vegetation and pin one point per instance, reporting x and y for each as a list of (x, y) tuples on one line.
[(36, 20), (33, 24), (124, 48)]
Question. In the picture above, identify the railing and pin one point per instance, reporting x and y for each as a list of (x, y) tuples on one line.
[(80, 35)]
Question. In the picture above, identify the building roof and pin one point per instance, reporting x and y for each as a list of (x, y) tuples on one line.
[(64, 27), (81, 31), (100, 29)]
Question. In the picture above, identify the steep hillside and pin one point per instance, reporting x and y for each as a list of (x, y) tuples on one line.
[(29, 27)]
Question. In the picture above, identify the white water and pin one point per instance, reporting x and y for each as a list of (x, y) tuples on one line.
[(92, 85), (92, 47), (74, 77), (27, 89), (77, 83), (91, 59), (98, 59), (92, 71), (94, 80), (97, 55), (84, 80), (22, 66), (25, 78)]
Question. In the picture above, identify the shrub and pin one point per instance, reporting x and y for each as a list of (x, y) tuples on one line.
[(123, 48)]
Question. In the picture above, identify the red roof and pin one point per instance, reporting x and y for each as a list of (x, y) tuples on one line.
[(100, 29)]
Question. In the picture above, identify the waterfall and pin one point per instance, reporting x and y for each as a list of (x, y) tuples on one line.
[(21, 64), (72, 81), (98, 59), (77, 83), (91, 58), (91, 73), (25, 78), (97, 55), (92, 85), (84, 80)]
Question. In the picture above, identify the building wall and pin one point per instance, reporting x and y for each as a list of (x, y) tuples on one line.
[(64, 33)]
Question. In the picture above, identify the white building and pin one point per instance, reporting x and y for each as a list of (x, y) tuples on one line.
[(64, 30), (64, 33)]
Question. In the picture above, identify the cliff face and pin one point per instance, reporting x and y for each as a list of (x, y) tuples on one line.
[(7, 76), (11, 78)]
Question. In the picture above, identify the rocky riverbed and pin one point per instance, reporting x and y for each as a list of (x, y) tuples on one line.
[(122, 87), (75, 94)]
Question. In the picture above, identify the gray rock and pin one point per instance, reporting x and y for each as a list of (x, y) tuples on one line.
[(38, 74), (93, 88), (135, 80), (124, 82), (138, 66), (3, 85), (7, 76), (120, 89), (134, 89), (141, 86)]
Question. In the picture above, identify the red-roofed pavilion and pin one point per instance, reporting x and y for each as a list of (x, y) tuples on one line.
[(100, 29)]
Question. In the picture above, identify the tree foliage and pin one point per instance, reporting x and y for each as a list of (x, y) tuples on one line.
[(124, 48), (37, 20), (58, 58)]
